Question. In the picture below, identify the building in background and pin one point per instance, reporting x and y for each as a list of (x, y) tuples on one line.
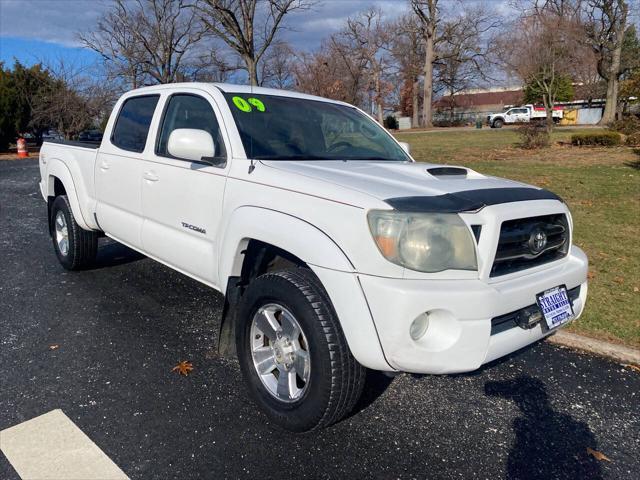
[(469, 105)]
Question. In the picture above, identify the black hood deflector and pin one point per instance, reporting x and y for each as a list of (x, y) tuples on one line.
[(469, 201)]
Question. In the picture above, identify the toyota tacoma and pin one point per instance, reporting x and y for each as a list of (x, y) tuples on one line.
[(335, 250)]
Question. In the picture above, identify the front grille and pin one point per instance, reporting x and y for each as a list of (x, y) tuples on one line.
[(518, 246), (514, 319)]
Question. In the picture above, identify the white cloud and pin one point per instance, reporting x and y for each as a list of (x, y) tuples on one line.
[(58, 21), (55, 21)]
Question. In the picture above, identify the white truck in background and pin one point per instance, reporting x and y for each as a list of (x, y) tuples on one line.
[(523, 114), (334, 249)]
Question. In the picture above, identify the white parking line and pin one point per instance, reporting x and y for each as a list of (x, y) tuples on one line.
[(52, 447)]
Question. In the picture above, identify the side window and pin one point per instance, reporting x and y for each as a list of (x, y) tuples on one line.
[(189, 111), (132, 126)]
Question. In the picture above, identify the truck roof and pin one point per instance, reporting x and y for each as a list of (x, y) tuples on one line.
[(234, 88)]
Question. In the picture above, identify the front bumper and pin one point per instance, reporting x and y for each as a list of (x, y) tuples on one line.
[(459, 337)]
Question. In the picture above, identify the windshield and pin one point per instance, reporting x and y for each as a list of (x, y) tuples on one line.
[(285, 128)]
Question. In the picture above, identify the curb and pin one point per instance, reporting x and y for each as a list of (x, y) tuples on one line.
[(618, 353)]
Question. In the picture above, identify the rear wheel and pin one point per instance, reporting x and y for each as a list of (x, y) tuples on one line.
[(75, 247), (293, 354)]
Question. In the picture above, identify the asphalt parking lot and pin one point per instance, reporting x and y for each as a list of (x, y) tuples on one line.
[(121, 328)]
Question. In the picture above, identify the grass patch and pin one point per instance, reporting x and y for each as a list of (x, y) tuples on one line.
[(602, 188)]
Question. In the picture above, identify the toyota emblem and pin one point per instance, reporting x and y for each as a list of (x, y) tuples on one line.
[(537, 241)]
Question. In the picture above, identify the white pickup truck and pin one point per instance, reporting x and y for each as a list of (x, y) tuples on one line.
[(334, 249), (523, 114)]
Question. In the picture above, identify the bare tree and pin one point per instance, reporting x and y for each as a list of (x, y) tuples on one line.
[(539, 50), (74, 101), (211, 64), (463, 57), (249, 27), (408, 53), (145, 40), (278, 66), (327, 73), (367, 38), (607, 20), (428, 14)]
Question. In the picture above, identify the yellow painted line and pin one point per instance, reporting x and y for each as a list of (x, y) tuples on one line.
[(52, 447)]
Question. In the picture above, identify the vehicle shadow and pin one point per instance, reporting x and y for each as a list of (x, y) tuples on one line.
[(376, 383), (112, 254), (548, 444)]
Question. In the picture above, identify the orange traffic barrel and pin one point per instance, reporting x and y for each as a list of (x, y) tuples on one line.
[(22, 148)]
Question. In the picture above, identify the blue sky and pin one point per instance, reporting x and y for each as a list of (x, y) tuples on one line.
[(45, 30)]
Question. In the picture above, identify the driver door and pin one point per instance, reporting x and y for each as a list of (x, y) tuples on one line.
[(182, 199)]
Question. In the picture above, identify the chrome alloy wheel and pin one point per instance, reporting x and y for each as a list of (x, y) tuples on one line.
[(280, 352), (62, 233)]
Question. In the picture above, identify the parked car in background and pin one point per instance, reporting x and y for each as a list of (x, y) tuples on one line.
[(90, 136), (335, 250), (523, 114), (52, 135)]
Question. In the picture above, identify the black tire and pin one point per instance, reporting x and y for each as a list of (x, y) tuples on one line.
[(497, 123), (336, 378), (82, 244)]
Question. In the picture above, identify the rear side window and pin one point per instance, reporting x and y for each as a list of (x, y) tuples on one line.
[(132, 125)]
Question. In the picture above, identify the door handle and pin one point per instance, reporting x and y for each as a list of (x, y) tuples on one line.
[(104, 165), (150, 176)]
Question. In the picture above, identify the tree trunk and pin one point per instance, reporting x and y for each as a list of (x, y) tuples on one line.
[(415, 121), (613, 83), (379, 100), (252, 70), (548, 108), (428, 82)]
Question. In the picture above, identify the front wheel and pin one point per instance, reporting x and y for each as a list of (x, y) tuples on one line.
[(498, 123), (293, 354), (75, 247)]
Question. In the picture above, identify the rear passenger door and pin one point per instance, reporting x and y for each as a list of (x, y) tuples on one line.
[(182, 199), (118, 169)]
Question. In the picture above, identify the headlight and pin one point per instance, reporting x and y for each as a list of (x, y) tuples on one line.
[(426, 242)]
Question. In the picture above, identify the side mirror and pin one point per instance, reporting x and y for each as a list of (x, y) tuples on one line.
[(191, 144), (406, 147)]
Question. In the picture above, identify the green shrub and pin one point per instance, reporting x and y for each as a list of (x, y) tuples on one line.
[(627, 126), (456, 122), (391, 122), (633, 139), (533, 135), (605, 139)]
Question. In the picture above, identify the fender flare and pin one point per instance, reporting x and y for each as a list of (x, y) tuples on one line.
[(325, 258), (285, 231), (57, 169)]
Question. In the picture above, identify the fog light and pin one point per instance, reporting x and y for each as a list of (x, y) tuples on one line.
[(419, 326)]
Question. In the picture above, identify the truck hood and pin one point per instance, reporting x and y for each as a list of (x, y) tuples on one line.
[(386, 180)]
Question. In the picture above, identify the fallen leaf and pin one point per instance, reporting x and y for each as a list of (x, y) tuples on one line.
[(632, 367), (183, 368), (597, 455), (591, 275), (54, 347), (636, 289), (618, 279)]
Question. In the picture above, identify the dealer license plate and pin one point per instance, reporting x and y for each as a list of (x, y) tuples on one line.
[(555, 305)]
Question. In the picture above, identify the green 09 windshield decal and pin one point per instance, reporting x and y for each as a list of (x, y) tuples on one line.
[(249, 104)]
